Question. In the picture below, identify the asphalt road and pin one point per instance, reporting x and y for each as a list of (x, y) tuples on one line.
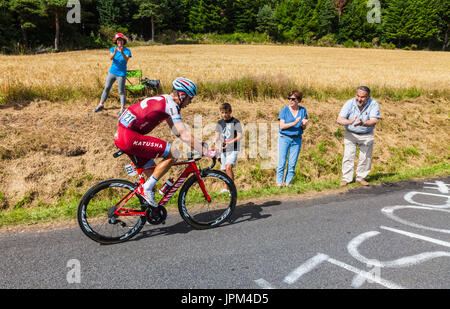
[(386, 236)]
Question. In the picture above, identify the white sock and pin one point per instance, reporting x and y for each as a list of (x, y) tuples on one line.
[(149, 184)]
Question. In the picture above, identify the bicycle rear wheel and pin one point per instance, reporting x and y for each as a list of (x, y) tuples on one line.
[(197, 211), (96, 212)]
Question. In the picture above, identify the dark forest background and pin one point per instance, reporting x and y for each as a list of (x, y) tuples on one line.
[(33, 26)]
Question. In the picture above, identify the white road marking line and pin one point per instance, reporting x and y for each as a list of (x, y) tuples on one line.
[(305, 268), (366, 275), (441, 186), (412, 235), (358, 281), (353, 245), (389, 212), (360, 278), (264, 284), (409, 198)]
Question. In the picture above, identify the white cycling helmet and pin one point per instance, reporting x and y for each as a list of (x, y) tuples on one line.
[(185, 85)]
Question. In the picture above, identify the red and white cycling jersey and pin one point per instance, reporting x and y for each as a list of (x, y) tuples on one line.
[(140, 119), (144, 116)]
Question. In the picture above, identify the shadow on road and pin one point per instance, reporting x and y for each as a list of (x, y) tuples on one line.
[(378, 176), (251, 211), (242, 213)]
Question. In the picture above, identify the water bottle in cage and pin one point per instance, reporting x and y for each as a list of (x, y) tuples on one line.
[(166, 187)]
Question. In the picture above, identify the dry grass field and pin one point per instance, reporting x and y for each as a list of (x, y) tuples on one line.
[(309, 67), (52, 151)]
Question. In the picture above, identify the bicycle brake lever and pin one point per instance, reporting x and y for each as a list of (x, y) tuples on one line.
[(203, 171)]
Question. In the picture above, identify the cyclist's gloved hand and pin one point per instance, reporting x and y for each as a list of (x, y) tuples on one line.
[(212, 153)]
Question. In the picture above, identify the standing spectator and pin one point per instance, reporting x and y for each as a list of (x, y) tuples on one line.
[(293, 121), (230, 129), (118, 71), (359, 116)]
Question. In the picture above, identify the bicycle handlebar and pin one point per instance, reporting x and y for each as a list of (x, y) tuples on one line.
[(191, 155)]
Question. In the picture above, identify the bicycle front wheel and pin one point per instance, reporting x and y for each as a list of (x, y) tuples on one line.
[(200, 213), (96, 212)]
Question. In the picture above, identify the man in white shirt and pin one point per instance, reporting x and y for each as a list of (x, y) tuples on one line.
[(359, 116)]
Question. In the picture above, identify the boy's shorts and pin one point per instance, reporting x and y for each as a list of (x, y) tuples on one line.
[(228, 157)]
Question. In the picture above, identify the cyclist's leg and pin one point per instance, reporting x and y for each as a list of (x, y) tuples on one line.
[(145, 149), (160, 170), (164, 166)]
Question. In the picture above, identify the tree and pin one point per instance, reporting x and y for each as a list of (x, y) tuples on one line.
[(56, 8), (108, 11), (394, 21), (8, 33), (411, 21), (196, 16), (306, 22), (444, 23), (285, 15), (245, 14), (149, 9), (327, 17), (173, 15), (27, 12), (339, 4), (207, 16), (265, 20), (422, 26), (353, 24)]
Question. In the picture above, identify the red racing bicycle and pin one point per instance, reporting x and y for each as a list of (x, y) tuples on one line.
[(112, 211)]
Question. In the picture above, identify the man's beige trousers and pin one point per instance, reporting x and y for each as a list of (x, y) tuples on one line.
[(365, 144)]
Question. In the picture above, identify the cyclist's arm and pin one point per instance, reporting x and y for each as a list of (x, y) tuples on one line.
[(186, 136), (172, 127)]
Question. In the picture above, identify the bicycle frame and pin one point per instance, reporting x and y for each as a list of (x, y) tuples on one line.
[(191, 169)]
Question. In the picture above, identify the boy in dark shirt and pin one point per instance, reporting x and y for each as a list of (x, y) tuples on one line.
[(229, 131)]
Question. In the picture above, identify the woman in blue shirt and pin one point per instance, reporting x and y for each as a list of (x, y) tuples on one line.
[(119, 56), (293, 120)]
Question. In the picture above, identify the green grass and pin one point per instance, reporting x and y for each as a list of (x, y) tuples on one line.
[(250, 88), (233, 38), (63, 210), (23, 93), (66, 209)]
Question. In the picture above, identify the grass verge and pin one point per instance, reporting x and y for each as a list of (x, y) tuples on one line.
[(67, 209), (250, 88)]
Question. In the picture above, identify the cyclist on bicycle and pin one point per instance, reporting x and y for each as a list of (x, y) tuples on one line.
[(141, 118)]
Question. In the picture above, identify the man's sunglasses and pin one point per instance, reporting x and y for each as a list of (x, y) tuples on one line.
[(292, 99)]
